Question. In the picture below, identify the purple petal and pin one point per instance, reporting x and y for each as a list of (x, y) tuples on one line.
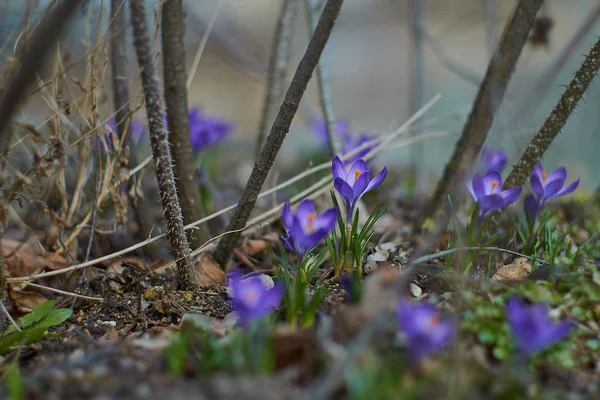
[(344, 190), (305, 210), (559, 173), (538, 170), (490, 203), (337, 168), (326, 221), (478, 187), (492, 183), (360, 185), (553, 187), (568, 189), (536, 185), (377, 180), (271, 299), (286, 215), (358, 167), (532, 206), (560, 331), (287, 244), (511, 195)]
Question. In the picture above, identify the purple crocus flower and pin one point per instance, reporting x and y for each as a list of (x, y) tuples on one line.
[(531, 326), (206, 131), (493, 159), (487, 191), (426, 332), (252, 298), (342, 129), (306, 229), (348, 142), (353, 183), (545, 187)]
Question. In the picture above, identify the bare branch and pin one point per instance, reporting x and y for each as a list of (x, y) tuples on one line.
[(489, 98), (121, 101), (557, 118), (176, 98), (279, 130), (160, 147)]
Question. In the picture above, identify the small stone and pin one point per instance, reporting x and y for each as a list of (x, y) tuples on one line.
[(516, 271), (415, 290)]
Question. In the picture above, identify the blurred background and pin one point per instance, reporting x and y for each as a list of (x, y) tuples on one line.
[(369, 67)]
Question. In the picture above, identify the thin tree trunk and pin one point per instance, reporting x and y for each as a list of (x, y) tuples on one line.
[(557, 118), (121, 99), (160, 148), (489, 98), (279, 130), (176, 98)]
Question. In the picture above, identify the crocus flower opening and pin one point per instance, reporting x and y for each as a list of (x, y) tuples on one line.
[(252, 298), (546, 186), (487, 191), (426, 332), (137, 129), (531, 326), (353, 183), (306, 228), (493, 159), (206, 131), (347, 140)]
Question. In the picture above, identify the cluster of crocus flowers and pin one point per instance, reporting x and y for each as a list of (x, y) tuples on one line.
[(205, 130), (252, 296), (546, 186), (348, 141), (532, 328), (306, 228), (425, 331), (493, 159), (487, 192), (354, 182)]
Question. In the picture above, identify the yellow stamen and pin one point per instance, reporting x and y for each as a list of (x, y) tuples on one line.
[(434, 321), (309, 224), (356, 174), (544, 176), (494, 184)]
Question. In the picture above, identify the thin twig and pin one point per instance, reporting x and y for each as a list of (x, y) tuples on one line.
[(544, 82), (278, 67), (94, 205), (160, 147), (280, 128), (202, 45), (10, 318), (64, 293), (557, 118), (333, 140), (176, 99), (121, 99), (489, 98)]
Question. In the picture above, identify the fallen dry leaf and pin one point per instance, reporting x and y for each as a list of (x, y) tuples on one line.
[(516, 271), (118, 266), (208, 272), (26, 259), (25, 300)]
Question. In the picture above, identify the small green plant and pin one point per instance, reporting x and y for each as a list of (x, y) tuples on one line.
[(196, 350), (347, 252), (33, 326), (13, 380), (302, 296)]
